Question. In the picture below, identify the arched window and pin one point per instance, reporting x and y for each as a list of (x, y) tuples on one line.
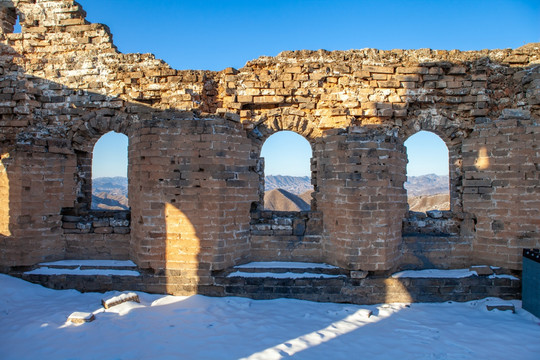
[(109, 172), (287, 170), (427, 173)]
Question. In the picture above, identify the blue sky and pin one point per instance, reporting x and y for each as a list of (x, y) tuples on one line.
[(110, 156), (213, 35), (286, 147)]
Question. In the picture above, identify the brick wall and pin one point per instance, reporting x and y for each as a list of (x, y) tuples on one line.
[(501, 186), (286, 236), (191, 191), (194, 155), (98, 235), (361, 195)]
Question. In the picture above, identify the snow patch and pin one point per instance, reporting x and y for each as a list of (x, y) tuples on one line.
[(92, 263), (502, 276), (435, 273), (80, 272), (285, 275), (284, 265)]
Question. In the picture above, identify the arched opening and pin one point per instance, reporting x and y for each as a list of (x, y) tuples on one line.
[(427, 173), (287, 170), (109, 172)]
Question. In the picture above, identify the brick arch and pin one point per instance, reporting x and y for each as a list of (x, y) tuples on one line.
[(86, 133), (92, 126), (296, 121)]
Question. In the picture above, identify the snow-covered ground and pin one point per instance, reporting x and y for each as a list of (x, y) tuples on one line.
[(33, 326)]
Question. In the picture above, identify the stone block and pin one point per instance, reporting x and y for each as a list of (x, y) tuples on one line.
[(103, 230), (378, 69), (358, 274), (100, 223), (119, 299), (412, 70), (84, 226), (502, 307), (81, 317), (121, 230), (435, 214), (118, 222)]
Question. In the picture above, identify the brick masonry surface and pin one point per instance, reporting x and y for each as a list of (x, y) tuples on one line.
[(196, 177)]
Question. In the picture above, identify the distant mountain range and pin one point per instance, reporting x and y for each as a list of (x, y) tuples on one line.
[(428, 192), (293, 184), (116, 185), (430, 184), (287, 193), (110, 193), (282, 200)]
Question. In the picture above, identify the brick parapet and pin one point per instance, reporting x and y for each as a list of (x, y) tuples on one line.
[(286, 236)]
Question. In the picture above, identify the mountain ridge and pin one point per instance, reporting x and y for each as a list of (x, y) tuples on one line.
[(287, 193), (282, 200), (429, 184), (293, 184), (110, 193)]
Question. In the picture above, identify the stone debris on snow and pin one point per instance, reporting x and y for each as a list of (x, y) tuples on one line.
[(501, 307), (81, 317), (108, 303)]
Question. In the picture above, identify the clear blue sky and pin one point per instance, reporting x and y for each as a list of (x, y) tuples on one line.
[(213, 35), (434, 160), (110, 156), (287, 147)]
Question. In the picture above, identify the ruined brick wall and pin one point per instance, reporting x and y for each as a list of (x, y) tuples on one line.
[(195, 173)]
